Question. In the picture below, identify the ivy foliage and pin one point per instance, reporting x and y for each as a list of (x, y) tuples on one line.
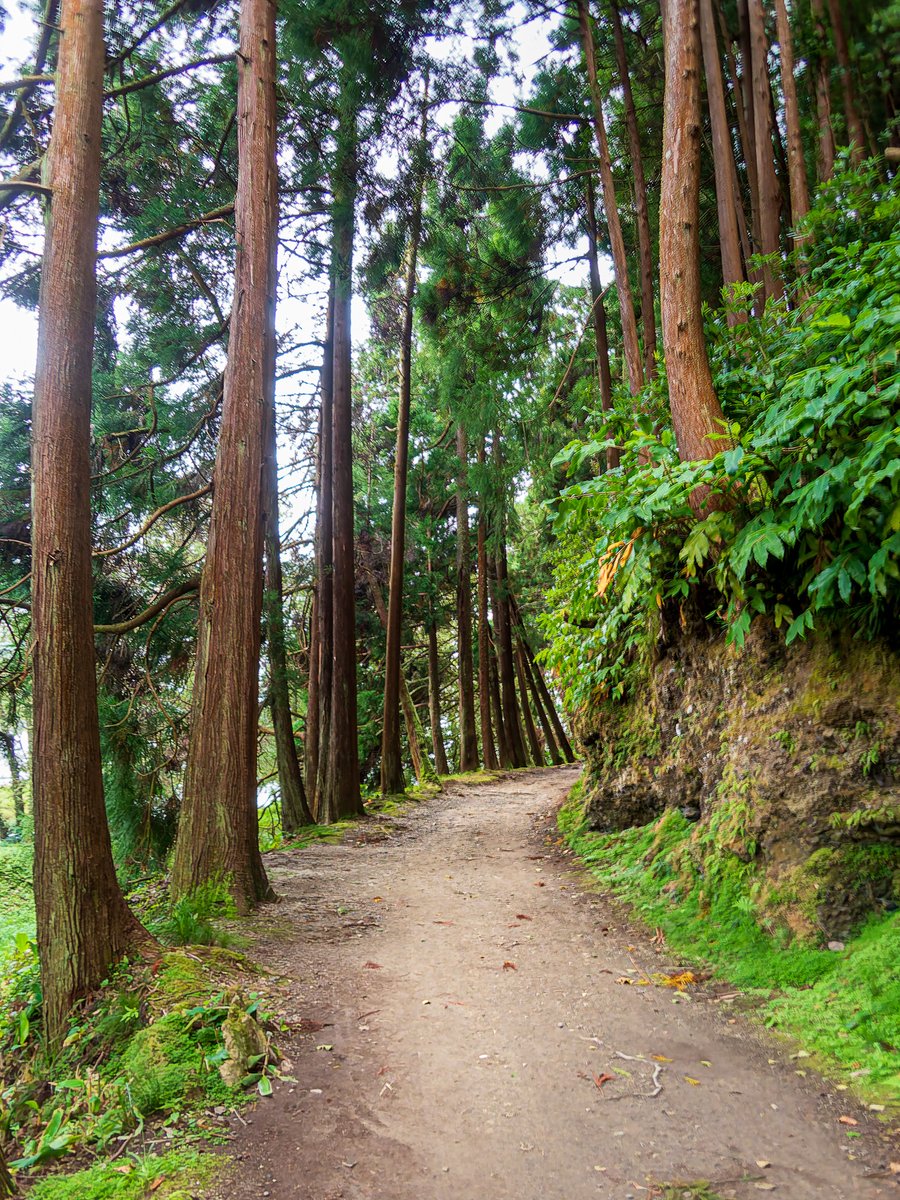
[(801, 519)]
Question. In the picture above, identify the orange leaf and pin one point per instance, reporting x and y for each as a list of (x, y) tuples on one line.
[(510, 966), (848, 1121), (599, 1080), (372, 966)]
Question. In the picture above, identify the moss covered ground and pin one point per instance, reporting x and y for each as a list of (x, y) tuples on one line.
[(173, 1176), (843, 1007)]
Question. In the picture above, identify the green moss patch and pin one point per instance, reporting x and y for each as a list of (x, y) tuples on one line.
[(174, 1176), (692, 881)]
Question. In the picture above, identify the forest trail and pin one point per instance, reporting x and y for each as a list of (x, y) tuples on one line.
[(443, 1071)]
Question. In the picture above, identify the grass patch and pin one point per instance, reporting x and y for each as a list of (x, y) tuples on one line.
[(173, 1176), (844, 1007), (475, 777)]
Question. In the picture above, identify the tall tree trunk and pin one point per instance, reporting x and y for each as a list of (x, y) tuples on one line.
[(468, 738), (826, 146), (747, 122), (340, 797), (392, 780), (856, 134), (415, 734), (319, 727), (598, 316), (542, 714), (696, 412), (294, 809), (796, 161), (630, 340), (489, 754), (544, 692), (218, 832), (434, 698), (537, 754), (723, 158), (505, 665), (769, 193), (83, 922), (645, 243), (8, 744), (504, 753)]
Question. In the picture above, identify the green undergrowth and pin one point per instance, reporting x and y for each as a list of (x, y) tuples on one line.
[(844, 1007), (474, 777), (147, 1053), (16, 896), (173, 1176)]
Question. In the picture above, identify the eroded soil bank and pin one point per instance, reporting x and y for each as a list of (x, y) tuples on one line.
[(457, 992)]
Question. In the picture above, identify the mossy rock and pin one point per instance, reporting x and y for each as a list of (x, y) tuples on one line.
[(245, 1041)]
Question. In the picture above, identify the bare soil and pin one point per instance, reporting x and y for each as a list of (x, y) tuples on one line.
[(455, 993)]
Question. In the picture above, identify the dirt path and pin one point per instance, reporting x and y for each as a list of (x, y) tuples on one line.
[(465, 977)]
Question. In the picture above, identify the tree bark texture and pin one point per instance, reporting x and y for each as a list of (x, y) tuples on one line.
[(340, 797), (83, 922), (769, 192), (796, 161), (534, 745), (468, 737), (542, 714), (434, 700), (488, 752), (723, 158), (642, 216), (696, 413), (826, 146), (294, 808), (544, 692), (505, 664), (630, 341), (319, 698), (392, 780), (856, 134), (598, 317), (218, 832)]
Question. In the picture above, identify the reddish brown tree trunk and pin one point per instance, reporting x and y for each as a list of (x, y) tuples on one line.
[(340, 796), (468, 737), (642, 216), (769, 193), (856, 134), (796, 161), (294, 809), (319, 719), (723, 158), (392, 780), (598, 316), (489, 754), (83, 922), (743, 95), (434, 699), (542, 714), (630, 341), (218, 833), (544, 692), (696, 413), (826, 155), (505, 664), (534, 745)]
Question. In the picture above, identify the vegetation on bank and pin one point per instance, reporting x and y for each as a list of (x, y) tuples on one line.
[(841, 1006)]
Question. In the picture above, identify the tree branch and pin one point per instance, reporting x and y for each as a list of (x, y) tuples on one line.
[(152, 519), (168, 235), (168, 598)]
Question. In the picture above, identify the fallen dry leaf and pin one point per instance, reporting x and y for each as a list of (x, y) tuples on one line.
[(124, 1169), (764, 1187), (372, 966), (661, 1058), (624, 979), (692, 1082), (443, 922), (523, 917), (157, 1183), (599, 1080), (848, 1121), (762, 1163), (679, 981), (894, 1168), (509, 966), (540, 883), (377, 899)]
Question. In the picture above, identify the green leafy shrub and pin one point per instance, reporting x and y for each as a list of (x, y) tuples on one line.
[(804, 520)]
